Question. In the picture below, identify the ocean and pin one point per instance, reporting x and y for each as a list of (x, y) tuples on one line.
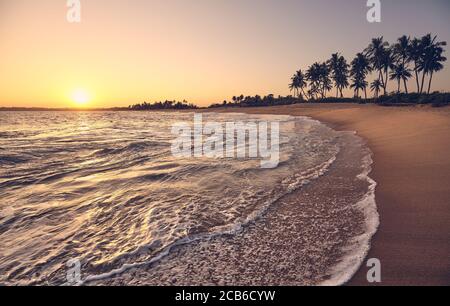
[(105, 190)]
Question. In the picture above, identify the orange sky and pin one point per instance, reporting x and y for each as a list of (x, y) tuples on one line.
[(204, 51)]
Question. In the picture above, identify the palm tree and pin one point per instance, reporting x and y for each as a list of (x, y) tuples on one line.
[(401, 73), (333, 64), (339, 69), (432, 58), (376, 52), (313, 76), (401, 50), (401, 56), (376, 87), (387, 63), (324, 79), (435, 64), (415, 54), (359, 83), (301, 82), (294, 85), (360, 67)]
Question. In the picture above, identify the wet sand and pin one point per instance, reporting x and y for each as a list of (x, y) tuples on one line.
[(411, 147)]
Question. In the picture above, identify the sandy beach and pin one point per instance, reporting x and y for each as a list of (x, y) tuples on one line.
[(411, 146)]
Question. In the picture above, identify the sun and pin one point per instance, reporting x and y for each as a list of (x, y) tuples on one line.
[(80, 97)]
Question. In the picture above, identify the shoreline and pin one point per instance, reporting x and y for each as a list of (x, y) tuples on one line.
[(410, 148), (275, 250)]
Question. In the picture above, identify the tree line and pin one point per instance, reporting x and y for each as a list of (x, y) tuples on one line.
[(162, 105), (257, 100), (418, 58)]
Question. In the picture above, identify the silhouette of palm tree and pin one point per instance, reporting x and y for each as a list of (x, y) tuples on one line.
[(324, 78), (401, 73), (293, 86), (376, 87), (359, 84), (339, 69), (387, 64), (313, 76), (360, 67), (401, 50), (415, 53), (432, 58), (390, 63), (377, 53), (301, 83)]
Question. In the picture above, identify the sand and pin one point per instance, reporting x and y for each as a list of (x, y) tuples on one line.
[(411, 147)]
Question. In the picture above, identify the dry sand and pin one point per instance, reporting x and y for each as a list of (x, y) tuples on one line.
[(411, 147)]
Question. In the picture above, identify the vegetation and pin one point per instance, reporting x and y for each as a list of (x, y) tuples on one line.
[(256, 101), (418, 58), (162, 106)]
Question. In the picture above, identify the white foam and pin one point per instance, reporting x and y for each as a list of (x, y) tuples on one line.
[(359, 248), (294, 183)]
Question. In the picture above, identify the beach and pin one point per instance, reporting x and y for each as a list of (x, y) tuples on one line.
[(134, 214), (411, 148)]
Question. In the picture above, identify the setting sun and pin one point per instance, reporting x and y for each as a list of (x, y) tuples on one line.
[(80, 97)]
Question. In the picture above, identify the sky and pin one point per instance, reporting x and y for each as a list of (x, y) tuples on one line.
[(204, 51)]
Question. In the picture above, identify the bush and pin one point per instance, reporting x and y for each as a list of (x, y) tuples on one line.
[(436, 99)]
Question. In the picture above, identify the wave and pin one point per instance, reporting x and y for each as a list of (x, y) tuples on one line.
[(359, 247), (293, 183), (134, 147), (118, 201)]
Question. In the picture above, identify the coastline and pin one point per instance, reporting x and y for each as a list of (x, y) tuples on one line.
[(411, 166), (295, 242)]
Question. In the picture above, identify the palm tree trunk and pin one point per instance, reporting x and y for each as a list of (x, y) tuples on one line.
[(382, 81), (417, 78), (398, 90), (386, 82), (365, 93), (406, 86), (429, 84), (381, 78), (303, 92), (423, 81)]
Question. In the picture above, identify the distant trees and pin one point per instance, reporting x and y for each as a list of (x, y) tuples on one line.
[(418, 58), (256, 101), (163, 105)]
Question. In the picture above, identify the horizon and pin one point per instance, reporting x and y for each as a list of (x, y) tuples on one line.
[(203, 51)]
